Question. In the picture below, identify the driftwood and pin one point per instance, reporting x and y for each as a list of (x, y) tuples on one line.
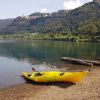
[(81, 61), (98, 58), (78, 61), (93, 62)]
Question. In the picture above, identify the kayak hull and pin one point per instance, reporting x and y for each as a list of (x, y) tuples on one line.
[(54, 76)]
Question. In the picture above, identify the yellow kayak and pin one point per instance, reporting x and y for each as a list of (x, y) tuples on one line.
[(55, 76)]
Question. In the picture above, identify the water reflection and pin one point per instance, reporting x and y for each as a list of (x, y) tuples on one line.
[(48, 51)]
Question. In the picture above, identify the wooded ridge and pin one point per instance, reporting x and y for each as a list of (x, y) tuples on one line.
[(84, 20)]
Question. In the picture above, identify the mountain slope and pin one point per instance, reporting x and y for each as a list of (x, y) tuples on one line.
[(80, 20), (4, 23)]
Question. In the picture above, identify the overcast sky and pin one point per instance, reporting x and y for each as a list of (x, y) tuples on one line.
[(14, 8)]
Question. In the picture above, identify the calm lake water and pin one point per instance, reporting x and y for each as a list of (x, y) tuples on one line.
[(17, 56)]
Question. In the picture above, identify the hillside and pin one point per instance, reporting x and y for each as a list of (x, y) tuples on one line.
[(4, 23), (83, 20)]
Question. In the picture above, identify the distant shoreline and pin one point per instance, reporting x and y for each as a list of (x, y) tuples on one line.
[(53, 37)]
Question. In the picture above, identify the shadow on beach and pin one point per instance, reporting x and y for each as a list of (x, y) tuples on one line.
[(58, 84)]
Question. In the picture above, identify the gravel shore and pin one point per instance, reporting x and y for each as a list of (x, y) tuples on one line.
[(87, 89)]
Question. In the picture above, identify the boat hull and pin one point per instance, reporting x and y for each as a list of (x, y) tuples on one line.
[(53, 76)]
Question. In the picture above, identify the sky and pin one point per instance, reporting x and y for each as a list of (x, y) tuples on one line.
[(14, 8)]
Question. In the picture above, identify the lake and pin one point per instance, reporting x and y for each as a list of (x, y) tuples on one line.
[(17, 56)]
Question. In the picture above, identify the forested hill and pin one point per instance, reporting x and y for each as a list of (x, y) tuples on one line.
[(83, 20), (4, 23)]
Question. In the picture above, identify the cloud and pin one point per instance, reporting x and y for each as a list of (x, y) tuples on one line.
[(44, 10), (87, 1), (72, 4), (90, 0)]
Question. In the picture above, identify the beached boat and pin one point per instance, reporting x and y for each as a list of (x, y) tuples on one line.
[(55, 76)]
